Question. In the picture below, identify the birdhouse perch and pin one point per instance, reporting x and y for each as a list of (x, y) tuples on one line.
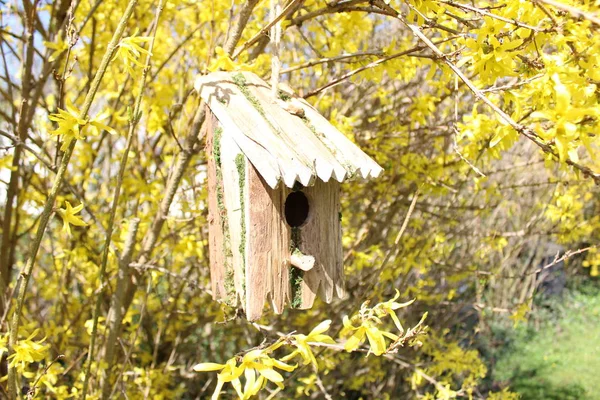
[(274, 174)]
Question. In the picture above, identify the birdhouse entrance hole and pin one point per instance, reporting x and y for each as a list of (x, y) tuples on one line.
[(296, 209)]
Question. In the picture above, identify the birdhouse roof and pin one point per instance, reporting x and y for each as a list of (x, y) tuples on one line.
[(285, 139)]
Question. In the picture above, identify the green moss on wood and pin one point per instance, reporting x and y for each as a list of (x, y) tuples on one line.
[(296, 279), (240, 82), (229, 283), (240, 164), (284, 96), (296, 239), (296, 274)]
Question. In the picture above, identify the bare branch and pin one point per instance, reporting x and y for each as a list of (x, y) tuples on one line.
[(373, 64), (291, 6), (575, 12), (238, 29)]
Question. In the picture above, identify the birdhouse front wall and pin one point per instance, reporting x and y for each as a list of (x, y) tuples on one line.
[(321, 237), (268, 269), (251, 240)]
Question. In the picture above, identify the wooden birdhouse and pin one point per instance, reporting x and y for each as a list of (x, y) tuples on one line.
[(274, 174)]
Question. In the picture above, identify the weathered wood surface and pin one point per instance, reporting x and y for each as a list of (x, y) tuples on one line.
[(346, 152), (260, 157), (304, 262), (296, 133), (235, 109), (321, 238), (267, 271), (215, 233), (278, 143), (231, 193)]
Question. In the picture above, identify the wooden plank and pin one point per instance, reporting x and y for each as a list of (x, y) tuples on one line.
[(296, 133), (326, 153), (232, 179), (215, 233), (260, 157), (231, 105), (344, 150), (321, 238), (268, 241), (280, 267)]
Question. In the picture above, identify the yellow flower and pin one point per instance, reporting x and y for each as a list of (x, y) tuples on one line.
[(98, 126), (520, 314), (71, 126), (302, 343), (229, 372), (564, 118), (257, 367), (389, 307), (223, 62), (372, 333), (130, 51), (368, 320), (28, 351), (69, 217)]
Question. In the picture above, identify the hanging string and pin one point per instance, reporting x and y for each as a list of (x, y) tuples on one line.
[(276, 42)]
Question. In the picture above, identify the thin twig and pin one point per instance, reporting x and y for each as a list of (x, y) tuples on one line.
[(486, 13), (236, 32), (115, 314), (370, 65), (575, 12), (31, 392), (264, 30), (325, 60), (128, 283), (557, 259), (13, 183), (396, 248)]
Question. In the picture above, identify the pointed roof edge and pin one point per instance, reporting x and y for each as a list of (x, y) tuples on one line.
[(286, 139)]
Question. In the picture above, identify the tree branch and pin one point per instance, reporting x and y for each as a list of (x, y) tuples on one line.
[(521, 129)]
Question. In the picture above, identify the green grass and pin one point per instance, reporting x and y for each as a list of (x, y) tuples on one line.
[(557, 354)]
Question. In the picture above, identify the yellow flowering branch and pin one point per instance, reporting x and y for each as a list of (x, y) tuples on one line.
[(259, 367), (129, 43), (48, 206)]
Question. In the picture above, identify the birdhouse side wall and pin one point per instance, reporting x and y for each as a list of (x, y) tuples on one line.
[(215, 223), (227, 189)]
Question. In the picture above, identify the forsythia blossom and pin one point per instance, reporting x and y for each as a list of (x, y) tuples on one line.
[(71, 126), (366, 325), (58, 47), (223, 62), (130, 51), (69, 217), (28, 351), (302, 343), (258, 368)]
